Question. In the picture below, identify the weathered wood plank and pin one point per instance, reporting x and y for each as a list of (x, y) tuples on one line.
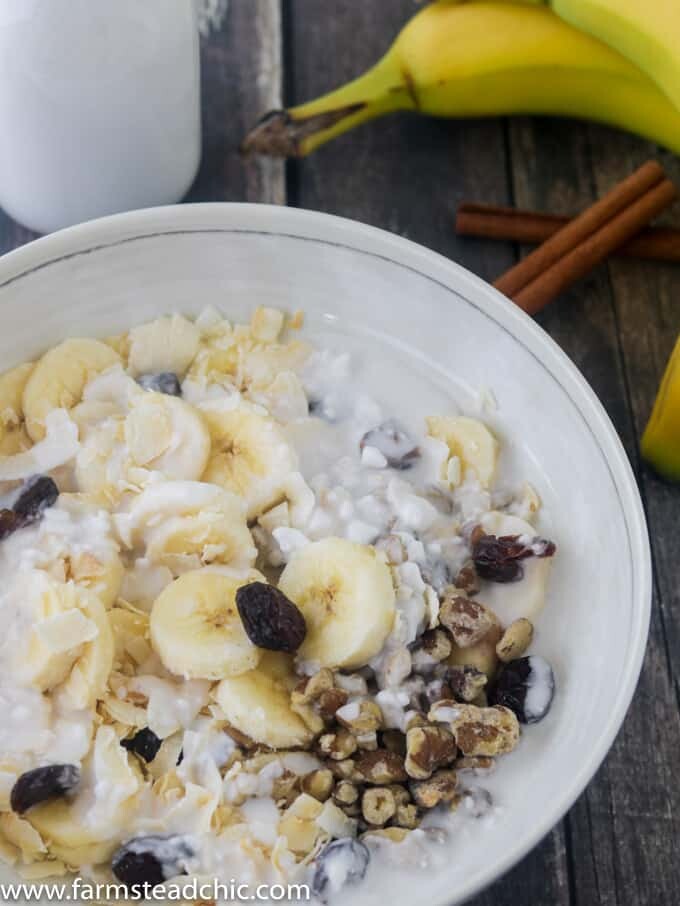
[(407, 174), (623, 832), (241, 72)]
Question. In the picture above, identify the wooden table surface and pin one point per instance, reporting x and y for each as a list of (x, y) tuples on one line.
[(619, 844)]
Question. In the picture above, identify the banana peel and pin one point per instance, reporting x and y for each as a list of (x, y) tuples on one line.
[(482, 58), (661, 439)]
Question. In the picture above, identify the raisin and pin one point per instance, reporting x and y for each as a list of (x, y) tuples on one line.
[(270, 620), (9, 523), (34, 498), (41, 784), (394, 443), (525, 686), (166, 382), (498, 559), (145, 743), (339, 864), (149, 861)]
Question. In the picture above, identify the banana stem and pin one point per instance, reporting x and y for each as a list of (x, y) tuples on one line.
[(299, 130)]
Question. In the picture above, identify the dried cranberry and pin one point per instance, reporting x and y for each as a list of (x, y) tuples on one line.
[(394, 443), (166, 382), (339, 864), (149, 861), (498, 559), (145, 743), (41, 784), (527, 687), (270, 620)]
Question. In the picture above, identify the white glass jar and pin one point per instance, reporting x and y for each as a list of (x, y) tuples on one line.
[(99, 107)]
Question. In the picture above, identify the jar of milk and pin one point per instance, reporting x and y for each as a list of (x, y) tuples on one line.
[(99, 107)]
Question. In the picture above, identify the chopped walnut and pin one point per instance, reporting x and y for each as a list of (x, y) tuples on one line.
[(467, 579), (286, 788), (432, 647), (480, 765), (318, 784), (479, 731), (427, 749), (400, 793), (338, 745), (310, 690), (407, 815), (468, 621), (466, 682), (346, 793), (515, 640), (343, 770), (441, 787), (378, 805), (361, 717), (298, 824), (368, 741), (329, 701), (381, 767), (309, 717)]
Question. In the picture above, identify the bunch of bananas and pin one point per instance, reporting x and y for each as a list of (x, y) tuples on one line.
[(614, 61)]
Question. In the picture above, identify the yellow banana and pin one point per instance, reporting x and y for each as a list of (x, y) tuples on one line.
[(482, 58), (661, 440), (645, 31)]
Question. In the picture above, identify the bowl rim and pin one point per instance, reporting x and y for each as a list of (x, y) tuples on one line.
[(301, 224)]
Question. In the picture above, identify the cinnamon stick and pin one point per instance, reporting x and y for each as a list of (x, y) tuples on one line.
[(589, 239), (486, 221)]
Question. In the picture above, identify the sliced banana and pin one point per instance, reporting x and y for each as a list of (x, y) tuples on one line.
[(86, 829), (346, 595), (471, 442), (165, 434), (59, 378), (68, 635), (250, 456), (188, 524), (196, 629), (13, 436), (525, 598), (258, 704), (168, 344)]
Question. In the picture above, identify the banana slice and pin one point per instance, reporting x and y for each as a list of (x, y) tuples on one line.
[(346, 595), (13, 436), (250, 456), (168, 344), (86, 829), (164, 434), (59, 378), (184, 525), (525, 598), (196, 629), (258, 704), (470, 441), (69, 636)]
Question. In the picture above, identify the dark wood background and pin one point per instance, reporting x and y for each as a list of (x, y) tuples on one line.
[(619, 844)]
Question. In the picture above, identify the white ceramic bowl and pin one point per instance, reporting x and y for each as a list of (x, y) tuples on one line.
[(427, 334)]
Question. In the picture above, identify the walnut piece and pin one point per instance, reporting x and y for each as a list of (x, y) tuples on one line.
[(466, 682), (467, 579), (381, 767), (478, 731), (427, 749), (468, 621), (407, 815), (310, 690), (338, 745), (346, 793), (329, 701), (515, 640), (482, 655), (432, 647), (361, 717), (378, 805), (318, 784), (441, 787)]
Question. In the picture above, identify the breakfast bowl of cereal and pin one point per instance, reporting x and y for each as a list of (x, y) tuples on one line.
[(324, 572)]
